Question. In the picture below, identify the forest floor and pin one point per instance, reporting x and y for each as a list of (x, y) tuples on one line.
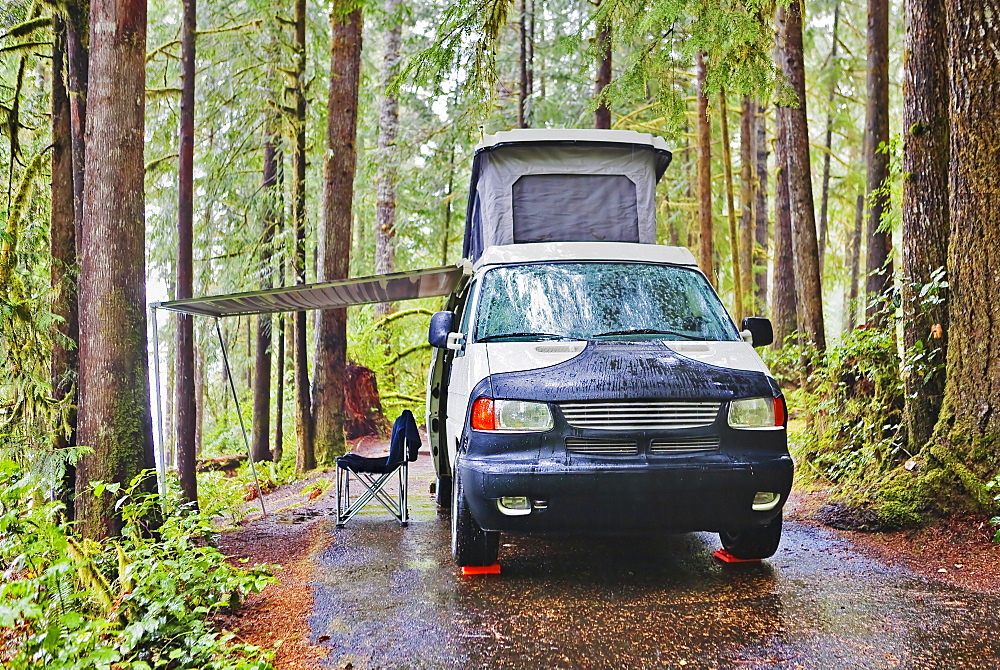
[(956, 550)]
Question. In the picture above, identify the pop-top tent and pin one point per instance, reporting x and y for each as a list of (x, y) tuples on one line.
[(527, 186), (564, 186)]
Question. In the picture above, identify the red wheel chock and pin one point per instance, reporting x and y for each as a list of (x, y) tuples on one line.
[(726, 557), (481, 570)]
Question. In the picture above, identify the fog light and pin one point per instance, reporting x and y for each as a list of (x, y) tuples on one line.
[(514, 505), (765, 501)]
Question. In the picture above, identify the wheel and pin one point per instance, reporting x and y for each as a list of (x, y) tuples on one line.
[(753, 542), (442, 492), (470, 544)]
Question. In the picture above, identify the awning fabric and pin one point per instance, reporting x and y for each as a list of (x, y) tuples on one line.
[(328, 295)]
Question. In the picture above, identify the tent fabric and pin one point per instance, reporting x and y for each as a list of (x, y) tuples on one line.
[(503, 203), (328, 295)]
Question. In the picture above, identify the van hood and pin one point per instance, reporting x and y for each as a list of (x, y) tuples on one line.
[(623, 370)]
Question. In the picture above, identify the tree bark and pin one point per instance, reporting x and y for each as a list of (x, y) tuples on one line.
[(335, 236), (734, 240), (805, 251), (305, 455), (261, 430), (879, 259), (114, 416), (828, 143), (77, 68), (602, 115), (748, 138), (184, 402), (970, 423), (522, 98), (854, 263), (761, 229), (278, 451), (784, 305), (706, 246), (388, 126), (64, 368), (925, 212)]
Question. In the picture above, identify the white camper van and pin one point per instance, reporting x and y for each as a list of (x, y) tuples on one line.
[(587, 380)]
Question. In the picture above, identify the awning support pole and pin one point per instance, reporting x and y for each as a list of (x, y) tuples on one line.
[(239, 413), (161, 464)]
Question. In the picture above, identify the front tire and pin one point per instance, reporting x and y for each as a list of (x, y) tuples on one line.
[(470, 544), (753, 542)]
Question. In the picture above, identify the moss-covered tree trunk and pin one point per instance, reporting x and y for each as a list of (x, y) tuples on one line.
[(114, 415), (734, 240), (967, 438), (783, 299), (62, 247), (925, 213), (261, 432), (335, 236)]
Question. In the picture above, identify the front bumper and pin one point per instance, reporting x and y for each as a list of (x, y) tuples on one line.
[(635, 493)]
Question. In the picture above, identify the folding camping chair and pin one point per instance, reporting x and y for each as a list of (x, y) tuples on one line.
[(375, 473)]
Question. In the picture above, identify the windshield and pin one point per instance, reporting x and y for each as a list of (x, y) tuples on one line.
[(599, 301)]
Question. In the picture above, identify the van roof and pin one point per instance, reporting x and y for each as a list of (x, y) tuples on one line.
[(560, 135), (584, 251)]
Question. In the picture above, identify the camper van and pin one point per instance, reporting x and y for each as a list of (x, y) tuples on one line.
[(586, 380)]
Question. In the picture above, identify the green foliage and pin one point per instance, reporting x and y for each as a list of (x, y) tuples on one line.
[(995, 484), (852, 399), (137, 602)]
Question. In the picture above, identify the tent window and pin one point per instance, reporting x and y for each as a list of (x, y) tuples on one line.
[(575, 208)]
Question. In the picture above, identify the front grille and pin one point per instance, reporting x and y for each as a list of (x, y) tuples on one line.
[(600, 447), (640, 415), (684, 445)]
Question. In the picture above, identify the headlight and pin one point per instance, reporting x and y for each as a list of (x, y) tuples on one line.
[(757, 413), (511, 415)]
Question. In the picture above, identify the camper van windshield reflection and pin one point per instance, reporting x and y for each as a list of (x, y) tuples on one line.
[(600, 300)]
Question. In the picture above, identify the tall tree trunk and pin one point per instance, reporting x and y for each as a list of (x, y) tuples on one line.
[(184, 403), (77, 67), (305, 455), (706, 246), (199, 400), (784, 305), (805, 251), (828, 145), (64, 366), (114, 416), (854, 263), (602, 115), (388, 126), (879, 259), (925, 211), (748, 137), (522, 98), (278, 450), (969, 428), (447, 206), (734, 240), (261, 431), (761, 232), (335, 237)]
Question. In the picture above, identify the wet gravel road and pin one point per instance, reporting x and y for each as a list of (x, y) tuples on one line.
[(390, 597)]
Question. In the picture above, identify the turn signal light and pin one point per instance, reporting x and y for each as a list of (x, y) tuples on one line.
[(483, 414)]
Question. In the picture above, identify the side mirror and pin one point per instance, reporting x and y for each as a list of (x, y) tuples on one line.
[(761, 332), (440, 328)]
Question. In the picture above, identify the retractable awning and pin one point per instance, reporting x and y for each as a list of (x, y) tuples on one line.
[(328, 295)]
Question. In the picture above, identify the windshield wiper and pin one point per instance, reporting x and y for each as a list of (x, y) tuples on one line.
[(648, 331), (545, 336)]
